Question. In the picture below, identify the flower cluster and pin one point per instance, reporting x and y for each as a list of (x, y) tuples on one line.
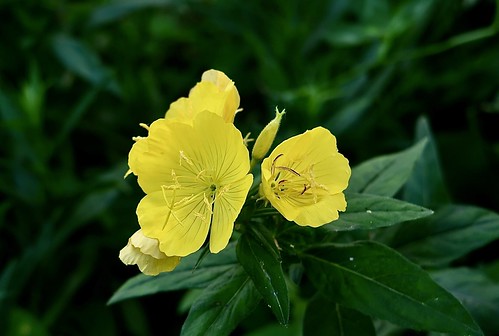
[(194, 168)]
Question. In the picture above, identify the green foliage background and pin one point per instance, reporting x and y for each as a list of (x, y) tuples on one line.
[(76, 79)]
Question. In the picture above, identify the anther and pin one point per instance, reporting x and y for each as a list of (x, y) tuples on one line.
[(305, 187), (289, 170)]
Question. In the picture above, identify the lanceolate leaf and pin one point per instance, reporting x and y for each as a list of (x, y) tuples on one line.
[(478, 293), (83, 62), (370, 211), (378, 281), (425, 185), (326, 318), (385, 175), (222, 305), (186, 275), (450, 233), (258, 254)]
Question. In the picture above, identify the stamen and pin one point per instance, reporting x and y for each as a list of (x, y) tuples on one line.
[(200, 173), (169, 205), (208, 203), (184, 157), (144, 126), (222, 190), (247, 139), (197, 214), (175, 180)]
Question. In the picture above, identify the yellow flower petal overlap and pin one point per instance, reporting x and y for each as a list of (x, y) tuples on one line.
[(196, 177), (304, 178), (144, 252), (215, 92)]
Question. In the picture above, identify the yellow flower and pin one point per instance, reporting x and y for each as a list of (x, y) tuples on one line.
[(304, 178), (196, 177), (266, 137), (144, 252), (215, 93)]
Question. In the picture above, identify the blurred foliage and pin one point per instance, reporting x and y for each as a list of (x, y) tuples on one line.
[(76, 78)]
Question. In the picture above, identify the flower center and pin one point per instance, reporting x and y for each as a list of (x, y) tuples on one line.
[(289, 182), (191, 184)]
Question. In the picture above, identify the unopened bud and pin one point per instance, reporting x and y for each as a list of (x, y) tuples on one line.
[(266, 137)]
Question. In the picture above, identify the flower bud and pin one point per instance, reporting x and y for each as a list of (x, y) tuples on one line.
[(266, 137)]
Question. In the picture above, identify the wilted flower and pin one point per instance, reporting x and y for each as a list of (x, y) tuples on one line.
[(196, 179), (215, 93), (144, 252), (304, 178)]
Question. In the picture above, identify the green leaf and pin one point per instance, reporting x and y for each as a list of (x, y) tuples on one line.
[(118, 9), (258, 254), (222, 305), (354, 109), (347, 35), (326, 318), (24, 322), (385, 175), (476, 291), (426, 185), (367, 212), (378, 281), (186, 275), (450, 233), (83, 61)]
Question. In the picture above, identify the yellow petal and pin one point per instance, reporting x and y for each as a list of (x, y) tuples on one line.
[(230, 94), (182, 110), (153, 158), (221, 146), (144, 252), (322, 212), (181, 225), (215, 93), (228, 204)]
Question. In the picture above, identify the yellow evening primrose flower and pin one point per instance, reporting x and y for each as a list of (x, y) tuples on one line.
[(215, 93), (196, 177), (304, 178), (144, 252)]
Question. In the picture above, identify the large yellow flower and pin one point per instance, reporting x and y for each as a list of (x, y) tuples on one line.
[(304, 178), (215, 93), (144, 252), (196, 177)]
